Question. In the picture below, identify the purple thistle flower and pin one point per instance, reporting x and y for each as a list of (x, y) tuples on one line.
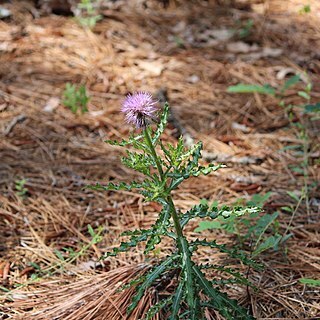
[(139, 108)]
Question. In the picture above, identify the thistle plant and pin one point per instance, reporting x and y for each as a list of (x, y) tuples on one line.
[(165, 167)]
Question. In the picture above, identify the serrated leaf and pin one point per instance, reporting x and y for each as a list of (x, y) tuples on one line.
[(252, 88), (226, 217), (237, 276), (159, 229), (133, 140), (132, 283), (149, 279), (234, 253), (198, 211), (139, 162), (126, 245), (176, 301), (227, 307), (187, 274), (156, 308), (162, 124), (115, 187)]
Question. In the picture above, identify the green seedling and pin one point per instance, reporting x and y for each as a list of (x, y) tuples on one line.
[(75, 98)]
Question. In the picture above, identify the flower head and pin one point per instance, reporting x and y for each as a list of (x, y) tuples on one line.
[(139, 108)]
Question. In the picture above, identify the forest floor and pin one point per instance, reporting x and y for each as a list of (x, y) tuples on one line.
[(193, 53)]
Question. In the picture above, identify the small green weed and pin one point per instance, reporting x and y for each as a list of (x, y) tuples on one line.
[(305, 9), (75, 98), (261, 232), (66, 256), (245, 29), (301, 128), (88, 16), (21, 190)]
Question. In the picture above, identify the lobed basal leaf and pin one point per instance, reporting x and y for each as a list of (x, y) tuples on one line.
[(227, 307), (233, 253), (149, 279)]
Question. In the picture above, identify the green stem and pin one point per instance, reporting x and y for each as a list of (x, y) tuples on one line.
[(153, 152), (182, 242), (162, 177)]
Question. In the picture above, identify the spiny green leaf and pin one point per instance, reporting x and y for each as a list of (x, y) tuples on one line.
[(162, 124), (111, 186), (198, 211), (187, 273), (206, 170), (234, 253), (149, 279), (227, 218), (177, 301), (132, 283), (139, 162), (220, 301), (133, 140), (156, 308), (236, 274), (126, 245), (159, 229), (175, 155), (195, 171)]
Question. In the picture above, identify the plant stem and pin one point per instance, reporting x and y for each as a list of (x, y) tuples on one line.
[(173, 211), (182, 242), (153, 152)]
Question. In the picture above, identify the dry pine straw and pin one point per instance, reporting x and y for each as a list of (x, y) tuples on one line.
[(59, 153)]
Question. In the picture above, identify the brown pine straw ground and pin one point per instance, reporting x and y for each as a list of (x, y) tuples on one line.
[(58, 153)]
